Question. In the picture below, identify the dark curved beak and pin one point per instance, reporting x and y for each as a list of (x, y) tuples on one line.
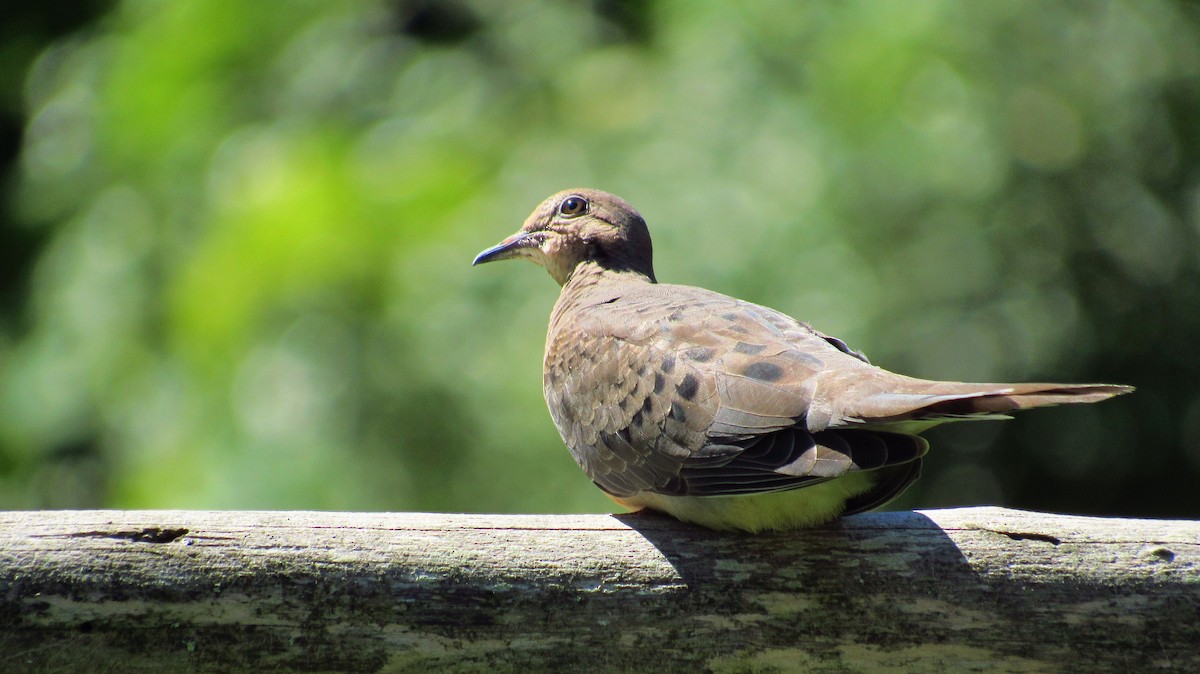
[(508, 248)]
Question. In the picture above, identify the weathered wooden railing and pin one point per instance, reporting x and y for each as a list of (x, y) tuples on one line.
[(977, 589)]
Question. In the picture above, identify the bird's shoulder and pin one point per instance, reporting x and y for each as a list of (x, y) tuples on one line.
[(700, 325)]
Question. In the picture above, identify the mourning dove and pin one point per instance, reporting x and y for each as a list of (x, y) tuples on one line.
[(715, 410)]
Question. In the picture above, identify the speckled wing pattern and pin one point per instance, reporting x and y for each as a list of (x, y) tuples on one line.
[(683, 391)]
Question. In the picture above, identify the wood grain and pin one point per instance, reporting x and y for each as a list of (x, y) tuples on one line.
[(976, 589)]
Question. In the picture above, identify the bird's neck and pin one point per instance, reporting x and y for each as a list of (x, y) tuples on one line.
[(590, 274), (591, 283)]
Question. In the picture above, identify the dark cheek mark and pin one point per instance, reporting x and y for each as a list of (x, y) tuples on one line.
[(688, 387), (764, 371)]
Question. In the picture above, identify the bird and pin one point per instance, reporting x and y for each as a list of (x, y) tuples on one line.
[(717, 411)]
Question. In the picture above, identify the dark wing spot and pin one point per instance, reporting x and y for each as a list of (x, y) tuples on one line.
[(763, 371), (809, 360), (688, 387), (659, 382), (668, 364), (749, 349), (700, 354), (647, 404), (624, 435), (730, 316), (677, 412), (637, 418)]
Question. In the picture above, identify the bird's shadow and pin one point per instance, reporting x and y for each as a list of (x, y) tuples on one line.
[(884, 582), (869, 551)]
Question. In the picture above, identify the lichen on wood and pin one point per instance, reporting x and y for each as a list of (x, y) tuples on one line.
[(983, 589)]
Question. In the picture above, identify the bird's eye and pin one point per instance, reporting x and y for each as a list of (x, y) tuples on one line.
[(572, 206)]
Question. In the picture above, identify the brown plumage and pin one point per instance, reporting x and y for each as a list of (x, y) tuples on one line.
[(720, 411)]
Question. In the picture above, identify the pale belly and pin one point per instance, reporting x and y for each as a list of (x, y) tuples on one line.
[(774, 511)]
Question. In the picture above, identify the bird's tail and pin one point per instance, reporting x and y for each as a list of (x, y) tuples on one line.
[(917, 404)]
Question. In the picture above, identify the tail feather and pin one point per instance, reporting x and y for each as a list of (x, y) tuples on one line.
[(947, 401)]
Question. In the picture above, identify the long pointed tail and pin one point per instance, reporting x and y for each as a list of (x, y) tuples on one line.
[(921, 400)]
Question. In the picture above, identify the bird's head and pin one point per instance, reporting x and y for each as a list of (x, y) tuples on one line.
[(580, 226)]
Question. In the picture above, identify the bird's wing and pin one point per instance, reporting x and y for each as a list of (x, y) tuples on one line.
[(682, 391)]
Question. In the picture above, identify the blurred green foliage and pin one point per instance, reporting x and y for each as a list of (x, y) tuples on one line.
[(237, 235)]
